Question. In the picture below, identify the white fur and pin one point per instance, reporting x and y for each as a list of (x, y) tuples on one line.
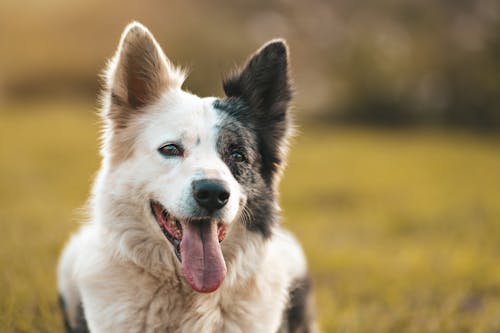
[(121, 266), (119, 296), (126, 271)]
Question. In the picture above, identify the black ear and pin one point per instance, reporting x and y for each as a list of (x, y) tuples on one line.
[(138, 73), (263, 82), (264, 85)]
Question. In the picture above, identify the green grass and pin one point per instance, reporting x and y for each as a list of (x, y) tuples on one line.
[(401, 228)]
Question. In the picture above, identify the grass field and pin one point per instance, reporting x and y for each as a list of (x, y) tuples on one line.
[(401, 228)]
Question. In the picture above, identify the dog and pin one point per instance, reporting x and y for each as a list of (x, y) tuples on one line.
[(183, 232)]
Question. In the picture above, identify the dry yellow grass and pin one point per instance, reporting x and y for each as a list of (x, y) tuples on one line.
[(401, 229)]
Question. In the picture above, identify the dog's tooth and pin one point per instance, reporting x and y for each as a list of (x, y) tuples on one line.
[(178, 229)]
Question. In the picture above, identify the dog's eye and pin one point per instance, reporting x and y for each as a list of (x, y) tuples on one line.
[(237, 156), (170, 150)]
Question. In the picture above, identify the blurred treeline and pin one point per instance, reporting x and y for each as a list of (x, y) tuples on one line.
[(390, 62)]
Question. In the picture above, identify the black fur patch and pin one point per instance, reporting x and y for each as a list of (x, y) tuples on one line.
[(298, 316), (259, 96), (81, 323), (257, 125), (237, 134)]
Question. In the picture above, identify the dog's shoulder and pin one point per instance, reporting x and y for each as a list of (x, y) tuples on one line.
[(285, 253), (69, 291), (288, 257)]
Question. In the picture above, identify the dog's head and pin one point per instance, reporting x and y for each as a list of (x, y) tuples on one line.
[(189, 168)]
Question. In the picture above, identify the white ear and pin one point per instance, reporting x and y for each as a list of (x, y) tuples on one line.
[(139, 72)]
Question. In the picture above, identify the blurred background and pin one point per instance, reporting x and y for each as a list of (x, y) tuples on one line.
[(393, 183)]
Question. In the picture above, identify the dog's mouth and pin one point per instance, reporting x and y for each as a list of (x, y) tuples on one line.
[(196, 243)]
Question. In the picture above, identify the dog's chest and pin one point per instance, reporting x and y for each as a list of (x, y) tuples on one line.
[(249, 309)]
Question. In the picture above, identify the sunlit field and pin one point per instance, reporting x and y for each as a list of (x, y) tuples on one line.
[(401, 228)]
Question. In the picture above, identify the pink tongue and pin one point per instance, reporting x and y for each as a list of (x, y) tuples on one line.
[(203, 265)]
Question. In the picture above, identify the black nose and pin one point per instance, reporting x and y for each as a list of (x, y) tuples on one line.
[(211, 194)]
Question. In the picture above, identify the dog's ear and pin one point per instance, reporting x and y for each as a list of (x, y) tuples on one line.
[(264, 81), (138, 73), (264, 85)]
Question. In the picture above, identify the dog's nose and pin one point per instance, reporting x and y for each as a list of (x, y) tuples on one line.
[(211, 194)]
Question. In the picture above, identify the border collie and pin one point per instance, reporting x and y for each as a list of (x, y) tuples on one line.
[(183, 232)]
